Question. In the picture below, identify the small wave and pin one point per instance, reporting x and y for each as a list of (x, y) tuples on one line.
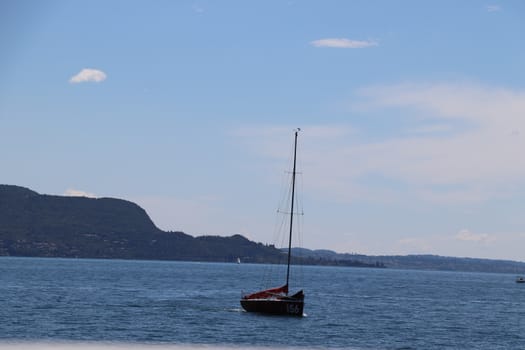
[(133, 346), (236, 309)]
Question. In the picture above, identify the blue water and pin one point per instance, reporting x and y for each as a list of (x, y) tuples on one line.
[(46, 300)]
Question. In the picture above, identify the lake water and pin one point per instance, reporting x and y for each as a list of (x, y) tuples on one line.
[(197, 304)]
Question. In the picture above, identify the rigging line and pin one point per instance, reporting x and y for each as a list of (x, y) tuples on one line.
[(299, 271), (285, 199), (291, 209), (282, 200), (282, 221)]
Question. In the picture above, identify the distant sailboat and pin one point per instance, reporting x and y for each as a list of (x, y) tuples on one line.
[(238, 260), (277, 301)]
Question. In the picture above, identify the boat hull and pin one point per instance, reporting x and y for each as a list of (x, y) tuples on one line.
[(274, 306), (286, 305)]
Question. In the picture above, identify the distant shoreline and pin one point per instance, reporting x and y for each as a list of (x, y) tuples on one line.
[(499, 266), (36, 225)]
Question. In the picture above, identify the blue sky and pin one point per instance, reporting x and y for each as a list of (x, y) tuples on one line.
[(413, 116)]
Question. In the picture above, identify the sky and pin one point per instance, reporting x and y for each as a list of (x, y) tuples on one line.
[(412, 116)]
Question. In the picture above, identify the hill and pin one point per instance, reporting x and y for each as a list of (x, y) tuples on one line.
[(32, 224), (419, 262)]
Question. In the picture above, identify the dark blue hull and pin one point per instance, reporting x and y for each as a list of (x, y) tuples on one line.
[(291, 306)]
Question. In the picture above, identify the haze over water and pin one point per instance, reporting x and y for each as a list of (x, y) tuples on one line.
[(185, 305)]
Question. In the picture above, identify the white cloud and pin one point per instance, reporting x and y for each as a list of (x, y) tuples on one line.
[(197, 8), (88, 75), (493, 8), (477, 156), (430, 129), (448, 145), (466, 235), (78, 193), (343, 43), (470, 154)]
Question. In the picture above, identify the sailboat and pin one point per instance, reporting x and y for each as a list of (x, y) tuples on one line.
[(278, 301)]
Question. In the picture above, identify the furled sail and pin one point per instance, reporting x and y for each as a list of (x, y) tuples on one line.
[(268, 293)]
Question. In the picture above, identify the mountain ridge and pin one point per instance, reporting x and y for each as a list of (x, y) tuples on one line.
[(421, 261), (40, 225), (33, 224)]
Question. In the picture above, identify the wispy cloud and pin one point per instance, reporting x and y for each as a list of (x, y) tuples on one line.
[(343, 43), (477, 153), (197, 8), (71, 192), (88, 75), (493, 8), (448, 145), (466, 235), (467, 155), (430, 129)]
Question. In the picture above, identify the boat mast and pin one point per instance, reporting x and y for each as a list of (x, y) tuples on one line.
[(291, 209)]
